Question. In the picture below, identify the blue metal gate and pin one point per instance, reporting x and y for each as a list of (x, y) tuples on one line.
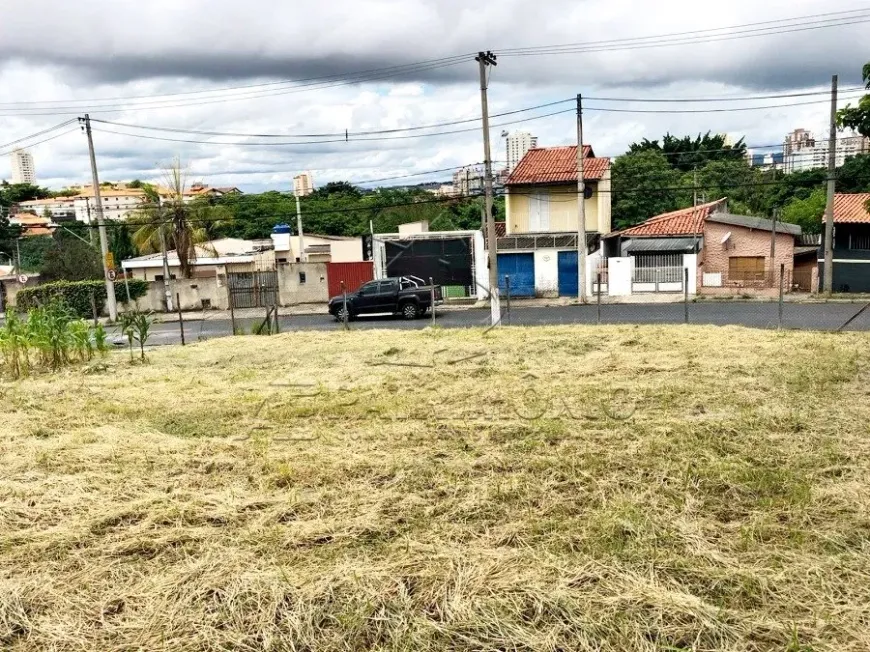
[(521, 269), (568, 271)]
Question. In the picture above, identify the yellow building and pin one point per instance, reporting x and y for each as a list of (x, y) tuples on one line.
[(541, 193), (538, 254)]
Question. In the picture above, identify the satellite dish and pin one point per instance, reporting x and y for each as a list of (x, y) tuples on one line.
[(504, 134), (726, 237)]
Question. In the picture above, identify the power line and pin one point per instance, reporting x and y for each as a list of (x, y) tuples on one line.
[(701, 36), (38, 133), (44, 140)]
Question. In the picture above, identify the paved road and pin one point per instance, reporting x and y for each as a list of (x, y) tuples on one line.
[(816, 316)]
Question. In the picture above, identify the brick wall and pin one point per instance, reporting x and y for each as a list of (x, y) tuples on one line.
[(743, 242)]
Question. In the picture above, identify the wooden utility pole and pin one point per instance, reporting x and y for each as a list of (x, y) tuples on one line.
[(581, 206), (829, 207), (104, 242), (489, 59)]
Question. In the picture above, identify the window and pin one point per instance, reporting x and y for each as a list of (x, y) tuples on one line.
[(746, 268), (860, 241), (539, 212), (301, 278), (369, 288)]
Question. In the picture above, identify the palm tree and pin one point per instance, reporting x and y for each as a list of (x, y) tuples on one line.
[(167, 220)]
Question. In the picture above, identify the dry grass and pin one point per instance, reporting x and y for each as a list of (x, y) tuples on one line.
[(498, 502)]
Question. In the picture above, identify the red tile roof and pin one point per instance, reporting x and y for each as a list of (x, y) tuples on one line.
[(687, 221), (851, 209), (557, 165)]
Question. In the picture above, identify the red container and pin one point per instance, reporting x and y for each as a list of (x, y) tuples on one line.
[(353, 275)]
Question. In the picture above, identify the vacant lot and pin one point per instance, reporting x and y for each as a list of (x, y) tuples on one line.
[(624, 488)]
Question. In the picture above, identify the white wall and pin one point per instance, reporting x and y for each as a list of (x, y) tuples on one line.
[(690, 262), (619, 276), (547, 272), (481, 266)]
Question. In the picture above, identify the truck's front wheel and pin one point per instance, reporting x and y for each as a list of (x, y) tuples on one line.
[(410, 311)]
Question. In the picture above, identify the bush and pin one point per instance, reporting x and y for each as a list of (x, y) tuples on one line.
[(77, 294)]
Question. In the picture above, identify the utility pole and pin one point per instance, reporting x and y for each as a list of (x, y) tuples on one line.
[(167, 289), (489, 59), (104, 241), (90, 221), (695, 188), (581, 206), (829, 207), (299, 229), (773, 246)]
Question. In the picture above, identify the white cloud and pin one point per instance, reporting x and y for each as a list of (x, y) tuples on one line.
[(97, 49)]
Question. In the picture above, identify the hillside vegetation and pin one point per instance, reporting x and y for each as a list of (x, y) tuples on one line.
[(582, 488)]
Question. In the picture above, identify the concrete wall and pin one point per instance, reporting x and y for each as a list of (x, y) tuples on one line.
[(743, 242), (293, 288), (562, 203), (11, 287), (619, 272), (346, 251), (193, 294)]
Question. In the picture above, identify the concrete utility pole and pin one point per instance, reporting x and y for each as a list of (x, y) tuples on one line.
[(167, 288), (832, 178), (773, 246), (581, 206), (299, 229), (489, 59), (104, 241)]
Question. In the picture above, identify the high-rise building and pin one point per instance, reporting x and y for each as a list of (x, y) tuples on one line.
[(469, 180), (803, 152), (516, 146), (303, 184), (22, 167)]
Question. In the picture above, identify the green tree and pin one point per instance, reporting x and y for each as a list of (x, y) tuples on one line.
[(120, 241), (857, 117), (33, 252), (807, 213), (643, 185), (71, 259), (854, 174), (9, 234), (687, 153)]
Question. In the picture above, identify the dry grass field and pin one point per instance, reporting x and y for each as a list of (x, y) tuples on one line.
[(613, 488)]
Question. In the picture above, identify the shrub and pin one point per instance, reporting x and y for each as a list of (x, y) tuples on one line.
[(78, 295)]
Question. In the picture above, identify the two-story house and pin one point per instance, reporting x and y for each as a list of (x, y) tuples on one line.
[(539, 248), (851, 244)]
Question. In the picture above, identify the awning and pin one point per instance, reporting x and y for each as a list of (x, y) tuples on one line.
[(671, 245)]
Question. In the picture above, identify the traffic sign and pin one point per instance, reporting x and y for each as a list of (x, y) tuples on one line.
[(110, 260), (112, 274), (22, 278)]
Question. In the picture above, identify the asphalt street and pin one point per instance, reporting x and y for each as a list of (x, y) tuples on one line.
[(814, 316)]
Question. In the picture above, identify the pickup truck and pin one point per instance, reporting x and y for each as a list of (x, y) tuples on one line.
[(407, 296)]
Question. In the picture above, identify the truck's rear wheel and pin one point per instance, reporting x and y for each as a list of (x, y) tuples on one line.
[(410, 311)]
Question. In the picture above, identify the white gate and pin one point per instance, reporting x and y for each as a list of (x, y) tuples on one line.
[(657, 273)]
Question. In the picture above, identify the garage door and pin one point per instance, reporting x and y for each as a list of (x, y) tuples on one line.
[(521, 269), (568, 271)]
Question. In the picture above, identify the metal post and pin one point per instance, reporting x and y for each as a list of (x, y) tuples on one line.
[(180, 318), (686, 292), (232, 307), (781, 291), (101, 225), (432, 284), (489, 59), (581, 207), (18, 256), (598, 295), (127, 288), (277, 325), (829, 206), (94, 308), (507, 289), (344, 295), (773, 245)]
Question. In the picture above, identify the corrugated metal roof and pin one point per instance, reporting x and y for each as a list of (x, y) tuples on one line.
[(851, 208), (758, 223), (687, 221), (687, 245), (557, 165)]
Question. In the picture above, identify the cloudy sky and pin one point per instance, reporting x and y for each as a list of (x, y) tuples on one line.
[(304, 68)]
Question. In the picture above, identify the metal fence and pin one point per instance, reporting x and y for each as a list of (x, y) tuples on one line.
[(658, 273)]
